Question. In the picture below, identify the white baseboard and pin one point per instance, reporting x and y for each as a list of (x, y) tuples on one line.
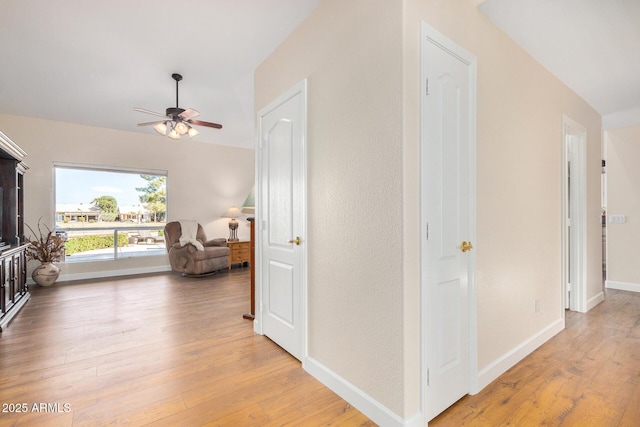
[(612, 284), (509, 359), (108, 273), (360, 400), (595, 301), (417, 420), (382, 416)]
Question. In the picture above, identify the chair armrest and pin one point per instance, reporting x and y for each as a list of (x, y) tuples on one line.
[(216, 242), (188, 248)]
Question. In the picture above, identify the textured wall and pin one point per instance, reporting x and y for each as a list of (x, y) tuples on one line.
[(519, 151), (623, 198), (364, 186), (351, 54)]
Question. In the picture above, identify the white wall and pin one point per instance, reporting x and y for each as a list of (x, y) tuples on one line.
[(362, 61), (204, 180)]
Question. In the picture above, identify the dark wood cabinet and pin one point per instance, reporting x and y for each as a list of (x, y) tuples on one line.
[(14, 292)]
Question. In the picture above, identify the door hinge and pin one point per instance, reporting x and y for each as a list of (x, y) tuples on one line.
[(427, 87), (427, 231), (427, 376)]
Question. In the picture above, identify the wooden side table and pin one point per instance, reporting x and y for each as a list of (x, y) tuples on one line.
[(240, 252)]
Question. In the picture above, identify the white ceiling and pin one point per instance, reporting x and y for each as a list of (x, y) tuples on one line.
[(593, 46), (92, 62)]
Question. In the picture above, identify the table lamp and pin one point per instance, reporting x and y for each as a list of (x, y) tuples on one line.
[(233, 213)]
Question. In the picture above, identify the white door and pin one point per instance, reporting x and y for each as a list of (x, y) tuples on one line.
[(448, 213), (281, 218)]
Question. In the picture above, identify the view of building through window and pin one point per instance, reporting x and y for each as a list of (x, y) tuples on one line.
[(96, 207)]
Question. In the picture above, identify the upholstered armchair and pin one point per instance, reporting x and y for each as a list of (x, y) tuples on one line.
[(190, 253)]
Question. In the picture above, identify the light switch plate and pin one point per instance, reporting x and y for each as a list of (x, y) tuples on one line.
[(617, 219)]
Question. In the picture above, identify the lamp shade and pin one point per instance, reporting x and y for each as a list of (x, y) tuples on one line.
[(192, 132), (173, 134), (249, 205), (181, 128), (161, 128), (232, 212)]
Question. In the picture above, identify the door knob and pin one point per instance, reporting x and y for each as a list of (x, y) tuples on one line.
[(466, 246), (296, 241)]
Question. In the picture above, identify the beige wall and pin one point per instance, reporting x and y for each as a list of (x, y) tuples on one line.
[(351, 54), (623, 198), (362, 61), (519, 148), (204, 180)]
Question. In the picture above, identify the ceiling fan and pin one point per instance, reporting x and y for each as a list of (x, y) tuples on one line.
[(177, 121)]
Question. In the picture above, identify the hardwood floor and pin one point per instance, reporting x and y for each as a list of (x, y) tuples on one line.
[(588, 375), (162, 350), (156, 350)]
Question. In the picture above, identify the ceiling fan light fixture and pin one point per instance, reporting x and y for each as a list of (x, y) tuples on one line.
[(161, 128), (173, 134), (193, 132), (181, 128), (177, 121)]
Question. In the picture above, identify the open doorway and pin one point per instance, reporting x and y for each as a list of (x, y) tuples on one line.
[(603, 213), (574, 202)]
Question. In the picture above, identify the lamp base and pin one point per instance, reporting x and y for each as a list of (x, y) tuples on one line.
[(233, 231)]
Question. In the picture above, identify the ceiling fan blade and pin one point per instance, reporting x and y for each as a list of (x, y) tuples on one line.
[(189, 113), (151, 123), (208, 124), (142, 110)]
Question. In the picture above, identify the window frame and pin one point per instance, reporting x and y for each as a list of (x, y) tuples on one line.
[(111, 169)]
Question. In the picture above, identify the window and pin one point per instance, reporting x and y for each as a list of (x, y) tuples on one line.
[(95, 207)]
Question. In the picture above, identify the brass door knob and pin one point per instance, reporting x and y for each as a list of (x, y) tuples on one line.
[(296, 241), (466, 246)]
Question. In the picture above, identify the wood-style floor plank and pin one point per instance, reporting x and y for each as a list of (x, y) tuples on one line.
[(162, 350), (587, 375), (157, 350)]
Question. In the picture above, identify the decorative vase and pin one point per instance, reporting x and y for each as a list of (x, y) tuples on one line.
[(46, 274)]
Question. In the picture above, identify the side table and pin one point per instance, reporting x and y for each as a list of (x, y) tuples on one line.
[(240, 252)]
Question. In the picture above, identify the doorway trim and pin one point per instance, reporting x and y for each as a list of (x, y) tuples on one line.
[(260, 222), (574, 247), (430, 35)]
